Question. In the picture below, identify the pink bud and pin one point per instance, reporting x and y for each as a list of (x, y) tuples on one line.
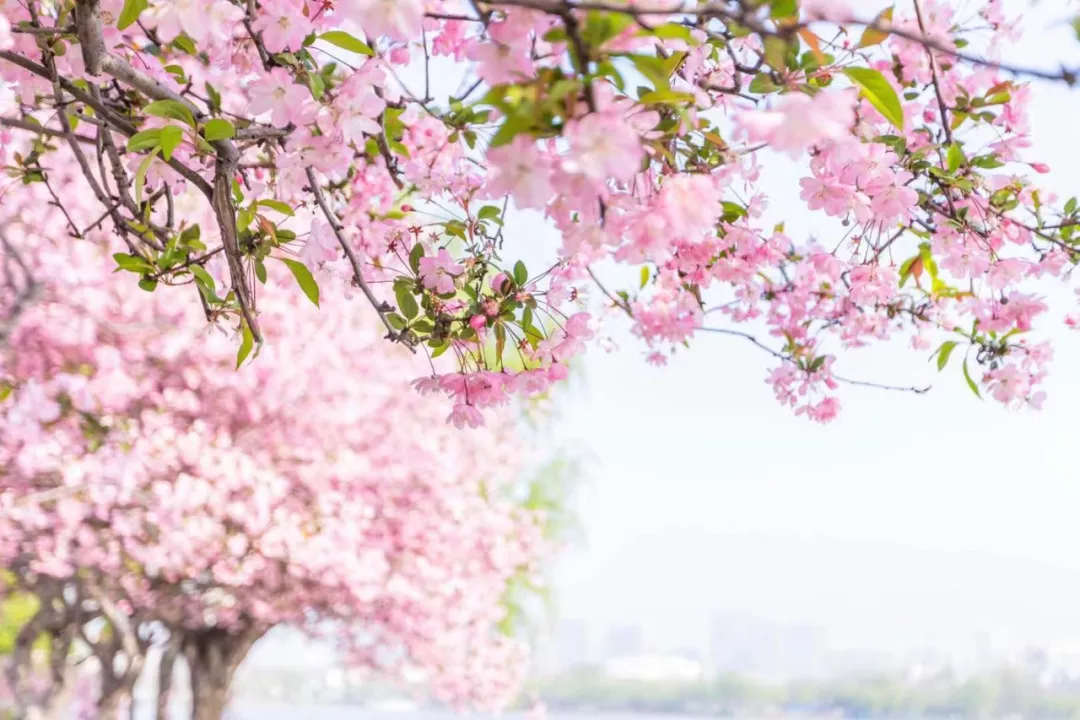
[(477, 322), (406, 208), (399, 56), (498, 282), (1040, 168)]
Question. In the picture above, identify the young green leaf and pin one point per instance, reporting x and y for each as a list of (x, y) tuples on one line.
[(130, 13), (406, 301), (872, 35), (304, 279), (140, 174), (277, 205), (247, 342), (521, 274), (414, 257), (170, 110), (206, 283), (346, 41), (131, 263), (218, 129), (970, 382), (944, 352), (955, 157), (144, 140), (171, 137), (879, 92)]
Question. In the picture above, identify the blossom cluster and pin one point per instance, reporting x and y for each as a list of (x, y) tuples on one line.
[(638, 132)]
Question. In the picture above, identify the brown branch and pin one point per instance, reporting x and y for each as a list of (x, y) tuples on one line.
[(721, 11), (98, 60), (34, 127), (934, 76)]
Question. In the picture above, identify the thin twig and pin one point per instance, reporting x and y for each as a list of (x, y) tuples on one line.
[(358, 278), (787, 358)]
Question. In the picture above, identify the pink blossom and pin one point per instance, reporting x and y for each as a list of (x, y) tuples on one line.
[(438, 273), (277, 94), (797, 121), (395, 19), (603, 147), (522, 171), (465, 415), (285, 28)]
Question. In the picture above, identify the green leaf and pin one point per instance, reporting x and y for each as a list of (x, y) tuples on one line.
[(260, 271), (671, 31), (170, 110), (406, 301), (783, 8), (130, 13), (396, 321), (776, 52), (879, 92), (873, 36), (183, 42), (148, 283), (514, 125), (277, 205), (218, 129), (247, 342), (132, 263), (206, 283), (500, 340), (140, 175), (171, 137), (521, 274), (955, 157), (944, 352), (970, 382), (144, 140), (214, 96), (414, 257), (489, 212), (644, 276), (347, 42), (200, 272), (304, 278)]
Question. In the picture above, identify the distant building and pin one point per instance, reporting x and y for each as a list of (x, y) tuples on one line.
[(623, 641), (749, 646)]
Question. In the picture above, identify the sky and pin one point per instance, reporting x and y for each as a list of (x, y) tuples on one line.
[(910, 521)]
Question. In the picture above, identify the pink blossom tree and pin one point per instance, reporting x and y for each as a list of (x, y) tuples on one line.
[(151, 494), (637, 127)]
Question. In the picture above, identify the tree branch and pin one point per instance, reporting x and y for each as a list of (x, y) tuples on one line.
[(358, 277)]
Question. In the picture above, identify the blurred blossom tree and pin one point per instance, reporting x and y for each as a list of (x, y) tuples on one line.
[(158, 497), (218, 138)]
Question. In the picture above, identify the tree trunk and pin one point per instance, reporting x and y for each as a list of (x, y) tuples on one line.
[(165, 677), (109, 706), (213, 656)]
